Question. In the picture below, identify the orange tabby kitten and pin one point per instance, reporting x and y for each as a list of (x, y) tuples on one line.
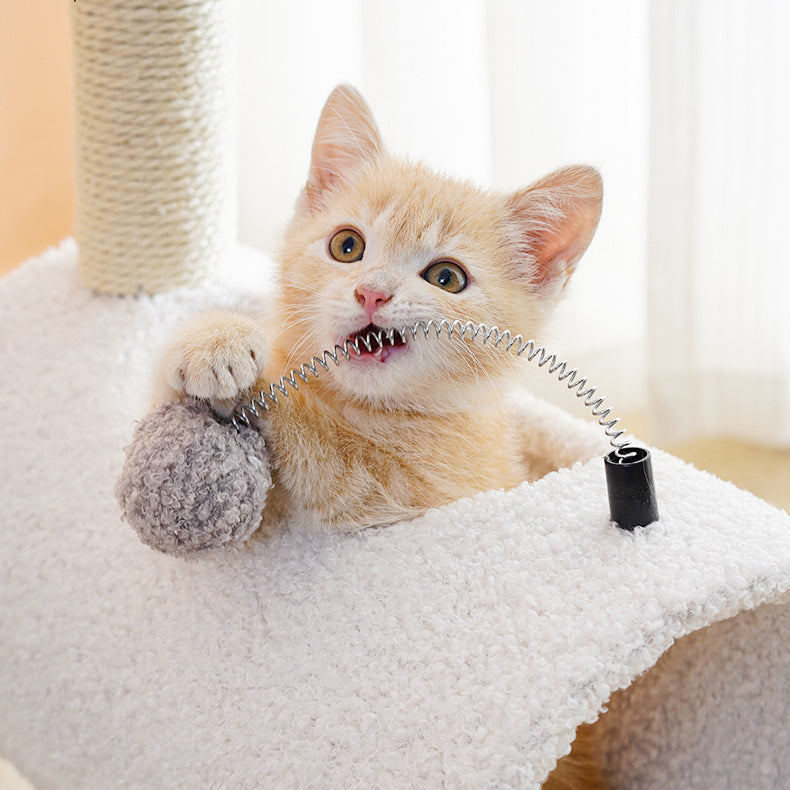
[(380, 242)]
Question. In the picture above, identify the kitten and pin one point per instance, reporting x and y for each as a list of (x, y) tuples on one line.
[(380, 242)]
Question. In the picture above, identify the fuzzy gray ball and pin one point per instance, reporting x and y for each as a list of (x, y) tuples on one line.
[(192, 483)]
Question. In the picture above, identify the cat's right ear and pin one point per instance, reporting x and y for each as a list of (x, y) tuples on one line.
[(346, 138), (552, 223)]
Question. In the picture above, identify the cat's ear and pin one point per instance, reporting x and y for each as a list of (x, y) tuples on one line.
[(552, 222), (346, 138)]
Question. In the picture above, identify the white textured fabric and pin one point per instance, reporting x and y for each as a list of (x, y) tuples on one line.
[(713, 714), (461, 649)]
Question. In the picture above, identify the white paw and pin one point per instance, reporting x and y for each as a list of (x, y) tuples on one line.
[(217, 357)]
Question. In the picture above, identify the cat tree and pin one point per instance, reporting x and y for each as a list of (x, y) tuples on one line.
[(461, 649)]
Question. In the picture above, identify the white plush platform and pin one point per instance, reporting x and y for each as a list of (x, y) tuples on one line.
[(458, 650)]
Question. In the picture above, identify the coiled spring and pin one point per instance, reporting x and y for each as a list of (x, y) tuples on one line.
[(491, 335)]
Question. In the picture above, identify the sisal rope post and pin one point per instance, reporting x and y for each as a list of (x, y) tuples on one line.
[(155, 141)]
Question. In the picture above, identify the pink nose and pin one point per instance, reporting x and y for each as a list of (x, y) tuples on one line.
[(371, 299)]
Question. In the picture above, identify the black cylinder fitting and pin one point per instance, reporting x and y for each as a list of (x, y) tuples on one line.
[(632, 492)]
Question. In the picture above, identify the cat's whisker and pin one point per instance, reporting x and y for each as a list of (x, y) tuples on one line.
[(308, 289), (473, 369), (296, 354), (479, 378)]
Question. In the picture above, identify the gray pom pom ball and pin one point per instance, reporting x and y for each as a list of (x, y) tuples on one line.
[(192, 483)]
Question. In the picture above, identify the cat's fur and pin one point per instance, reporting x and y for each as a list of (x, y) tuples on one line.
[(372, 442)]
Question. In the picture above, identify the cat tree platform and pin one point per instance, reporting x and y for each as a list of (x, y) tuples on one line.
[(461, 649)]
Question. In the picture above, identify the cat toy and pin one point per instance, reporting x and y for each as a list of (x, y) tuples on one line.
[(193, 482)]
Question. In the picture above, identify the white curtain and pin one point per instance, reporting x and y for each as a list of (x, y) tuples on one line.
[(719, 283), (677, 103)]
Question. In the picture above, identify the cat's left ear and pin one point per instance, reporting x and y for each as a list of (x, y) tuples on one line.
[(552, 222), (346, 138)]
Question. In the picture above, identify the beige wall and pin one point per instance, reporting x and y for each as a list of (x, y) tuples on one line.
[(36, 149)]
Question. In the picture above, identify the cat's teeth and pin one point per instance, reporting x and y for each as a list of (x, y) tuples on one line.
[(377, 343)]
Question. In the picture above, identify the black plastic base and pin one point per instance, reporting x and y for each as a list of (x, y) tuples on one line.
[(632, 492)]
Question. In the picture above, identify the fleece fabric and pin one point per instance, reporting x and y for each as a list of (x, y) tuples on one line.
[(192, 483), (458, 650)]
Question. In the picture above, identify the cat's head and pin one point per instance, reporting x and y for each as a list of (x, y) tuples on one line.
[(378, 241)]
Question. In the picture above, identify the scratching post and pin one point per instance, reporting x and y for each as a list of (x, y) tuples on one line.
[(155, 141)]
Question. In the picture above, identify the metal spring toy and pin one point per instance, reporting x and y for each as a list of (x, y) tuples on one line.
[(482, 333), (629, 476)]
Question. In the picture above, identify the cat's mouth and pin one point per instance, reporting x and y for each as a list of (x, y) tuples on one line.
[(376, 343)]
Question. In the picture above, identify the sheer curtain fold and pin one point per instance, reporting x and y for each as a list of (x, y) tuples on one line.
[(719, 278)]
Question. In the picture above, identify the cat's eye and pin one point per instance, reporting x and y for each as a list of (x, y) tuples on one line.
[(347, 246), (447, 275)]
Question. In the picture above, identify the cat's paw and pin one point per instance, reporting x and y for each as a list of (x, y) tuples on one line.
[(217, 357)]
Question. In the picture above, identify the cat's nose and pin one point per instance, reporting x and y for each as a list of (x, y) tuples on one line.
[(371, 298)]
